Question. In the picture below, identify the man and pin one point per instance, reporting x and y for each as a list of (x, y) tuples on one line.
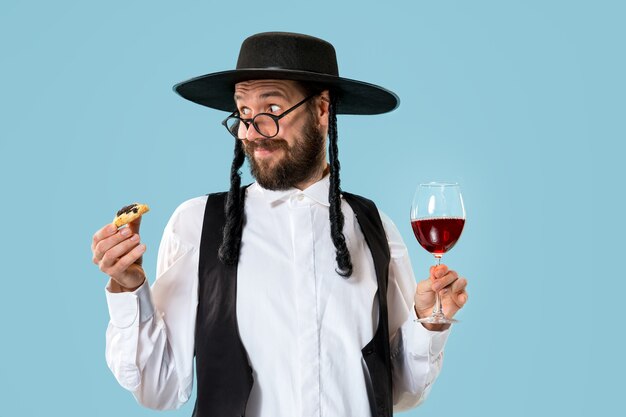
[(295, 298)]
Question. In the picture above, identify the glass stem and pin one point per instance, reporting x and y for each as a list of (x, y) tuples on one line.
[(437, 311)]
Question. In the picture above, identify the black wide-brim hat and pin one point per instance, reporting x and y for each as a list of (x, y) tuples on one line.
[(288, 56)]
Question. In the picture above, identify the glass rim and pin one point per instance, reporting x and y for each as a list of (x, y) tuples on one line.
[(439, 184)]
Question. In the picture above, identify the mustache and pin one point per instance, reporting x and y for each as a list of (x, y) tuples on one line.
[(265, 144)]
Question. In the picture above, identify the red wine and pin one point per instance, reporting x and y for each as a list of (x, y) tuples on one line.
[(438, 235)]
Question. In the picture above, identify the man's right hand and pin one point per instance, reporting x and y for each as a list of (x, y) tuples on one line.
[(118, 254)]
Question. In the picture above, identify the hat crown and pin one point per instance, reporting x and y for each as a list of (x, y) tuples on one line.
[(288, 56), (291, 51)]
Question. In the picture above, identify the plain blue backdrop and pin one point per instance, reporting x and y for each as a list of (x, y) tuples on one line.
[(522, 102)]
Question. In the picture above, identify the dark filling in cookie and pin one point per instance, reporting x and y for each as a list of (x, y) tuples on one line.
[(127, 209)]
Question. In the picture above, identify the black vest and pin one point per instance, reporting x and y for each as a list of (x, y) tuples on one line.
[(224, 375)]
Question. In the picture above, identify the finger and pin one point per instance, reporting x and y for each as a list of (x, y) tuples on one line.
[(105, 244), (461, 299), (458, 285), (445, 280), (439, 271), (118, 251), (127, 260), (103, 233), (436, 271), (457, 292), (424, 286), (134, 225)]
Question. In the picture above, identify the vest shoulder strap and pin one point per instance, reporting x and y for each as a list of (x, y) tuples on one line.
[(377, 353), (224, 375)]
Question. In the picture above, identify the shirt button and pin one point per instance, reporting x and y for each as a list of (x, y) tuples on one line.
[(300, 197)]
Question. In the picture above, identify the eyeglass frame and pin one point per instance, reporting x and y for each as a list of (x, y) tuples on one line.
[(251, 121)]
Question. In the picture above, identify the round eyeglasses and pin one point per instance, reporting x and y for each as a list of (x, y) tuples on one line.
[(264, 123)]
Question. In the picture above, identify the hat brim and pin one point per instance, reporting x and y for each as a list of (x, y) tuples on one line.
[(216, 90)]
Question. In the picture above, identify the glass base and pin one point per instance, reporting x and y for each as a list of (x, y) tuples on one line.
[(437, 319)]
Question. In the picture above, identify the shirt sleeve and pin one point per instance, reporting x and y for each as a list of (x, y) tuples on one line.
[(416, 352), (150, 336)]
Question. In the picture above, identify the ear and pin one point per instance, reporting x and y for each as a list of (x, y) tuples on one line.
[(322, 109)]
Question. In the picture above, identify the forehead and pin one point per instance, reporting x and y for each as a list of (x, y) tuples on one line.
[(288, 89)]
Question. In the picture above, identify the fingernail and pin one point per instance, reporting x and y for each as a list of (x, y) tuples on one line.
[(111, 228), (135, 238), (125, 231)]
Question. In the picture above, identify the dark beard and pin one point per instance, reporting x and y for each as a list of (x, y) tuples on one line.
[(296, 166)]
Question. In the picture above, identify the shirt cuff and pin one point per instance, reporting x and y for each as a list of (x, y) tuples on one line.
[(125, 307), (424, 342), (428, 341)]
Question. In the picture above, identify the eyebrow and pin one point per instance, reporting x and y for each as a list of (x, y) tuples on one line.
[(274, 93)]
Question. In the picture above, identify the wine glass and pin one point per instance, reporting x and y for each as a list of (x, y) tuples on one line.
[(437, 219)]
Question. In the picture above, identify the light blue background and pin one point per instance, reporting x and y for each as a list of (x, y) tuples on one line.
[(522, 102)]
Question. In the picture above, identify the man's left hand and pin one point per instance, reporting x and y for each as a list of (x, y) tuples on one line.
[(451, 290)]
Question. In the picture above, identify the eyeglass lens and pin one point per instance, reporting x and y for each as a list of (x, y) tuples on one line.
[(264, 124)]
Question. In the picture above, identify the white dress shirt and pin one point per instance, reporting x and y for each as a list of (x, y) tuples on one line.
[(303, 325)]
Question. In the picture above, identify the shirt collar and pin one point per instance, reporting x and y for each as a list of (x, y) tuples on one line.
[(317, 192)]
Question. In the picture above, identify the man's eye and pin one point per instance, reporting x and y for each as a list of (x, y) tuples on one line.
[(244, 111), (274, 108)]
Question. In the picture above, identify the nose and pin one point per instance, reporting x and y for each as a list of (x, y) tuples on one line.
[(252, 134)]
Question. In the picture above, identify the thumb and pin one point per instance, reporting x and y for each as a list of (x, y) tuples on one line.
[(134, 225)]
